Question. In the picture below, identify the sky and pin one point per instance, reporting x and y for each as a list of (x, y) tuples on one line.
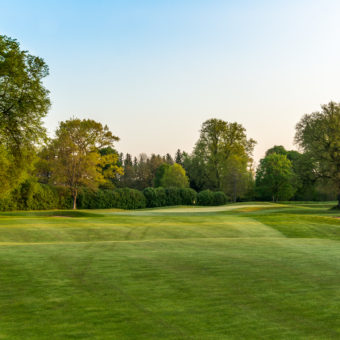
[(154, 71)]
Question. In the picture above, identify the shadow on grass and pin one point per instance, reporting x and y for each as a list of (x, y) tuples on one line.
[(52, 213)]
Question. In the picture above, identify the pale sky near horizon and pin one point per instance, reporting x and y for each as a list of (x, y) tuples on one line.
[(154, 71)]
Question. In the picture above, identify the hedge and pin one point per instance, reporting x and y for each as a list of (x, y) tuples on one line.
[(209, 198), (32, 195), (102, 199)]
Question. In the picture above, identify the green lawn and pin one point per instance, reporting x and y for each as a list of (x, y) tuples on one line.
[(243, 271)]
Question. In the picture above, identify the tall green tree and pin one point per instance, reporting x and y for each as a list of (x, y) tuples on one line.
[(237, 178), (275, 178), (144, 175), (168, 159), (129, 177), (318, 135), (179, 157), (24, 101), (77, 160), (220, 144)]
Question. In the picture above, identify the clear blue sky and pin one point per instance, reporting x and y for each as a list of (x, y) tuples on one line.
[(155, 70)]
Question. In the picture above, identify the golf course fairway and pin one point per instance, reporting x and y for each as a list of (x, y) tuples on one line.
[(240, 271)]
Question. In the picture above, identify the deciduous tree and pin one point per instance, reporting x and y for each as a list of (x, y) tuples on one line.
[(24, 102), (77, 160), (275, 178), (222, 149), (318, 134), (174, 176)]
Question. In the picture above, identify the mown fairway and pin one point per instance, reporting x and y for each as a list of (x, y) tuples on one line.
[(247, 271)]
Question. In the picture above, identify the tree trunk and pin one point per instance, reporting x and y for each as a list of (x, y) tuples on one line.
[(75, 199)]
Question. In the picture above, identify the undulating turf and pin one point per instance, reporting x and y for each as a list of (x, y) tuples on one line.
[(244, 271)]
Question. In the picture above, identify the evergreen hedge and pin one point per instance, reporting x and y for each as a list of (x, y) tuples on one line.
[(210, 198), (32, 195)]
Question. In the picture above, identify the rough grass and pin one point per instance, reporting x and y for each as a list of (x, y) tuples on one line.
[(243, 271)]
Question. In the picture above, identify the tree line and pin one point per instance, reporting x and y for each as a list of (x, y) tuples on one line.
[(81, 165)]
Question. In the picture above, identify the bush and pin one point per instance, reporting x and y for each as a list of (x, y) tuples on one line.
[(103, 199), (209, 198), (188, 196), (151, 197), (7, 203), (31, 195), (205, 197), (65, 200), (219, 198), (161, 196), (173, 196), (130, 199)]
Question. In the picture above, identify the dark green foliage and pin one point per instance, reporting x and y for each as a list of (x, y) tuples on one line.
[(104, 199), (160, 173), (188, 196), (31, 195), (92, 199), (65, 200), (210, 198), (150, 197), (35, 196), (278, 149), (179, 157), (130, 199), (155, 197), (219, 198), (7, 203), (205, 197), (173, 196), (161, 196)]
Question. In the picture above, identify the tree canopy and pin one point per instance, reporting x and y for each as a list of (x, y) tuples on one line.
[(222, 149), (274, 177), (24, 101), (77, 160), (174, 176), (318, 135)]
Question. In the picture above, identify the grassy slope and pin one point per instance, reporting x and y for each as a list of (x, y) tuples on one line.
[(243, 271)]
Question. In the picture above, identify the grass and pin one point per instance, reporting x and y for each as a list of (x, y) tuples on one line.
[(244, 271)]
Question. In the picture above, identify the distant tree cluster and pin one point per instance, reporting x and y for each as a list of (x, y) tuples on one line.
[(153, 171), (314, 173), (80, 164)]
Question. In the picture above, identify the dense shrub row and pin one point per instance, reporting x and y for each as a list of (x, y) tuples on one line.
[(36, 196), (160, 197), (208, 197), (31, 195), (102, 199)]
